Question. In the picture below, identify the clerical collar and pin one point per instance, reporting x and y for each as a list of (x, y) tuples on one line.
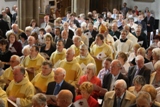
[(123, 40)]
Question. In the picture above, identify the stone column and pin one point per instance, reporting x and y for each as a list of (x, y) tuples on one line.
[(80, 6), (21, 13), (27, 10), (36, 9)]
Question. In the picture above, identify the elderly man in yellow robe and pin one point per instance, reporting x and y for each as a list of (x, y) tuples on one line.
[(8, 73), (72, 67), (33, 62), (46, 76), (59, 54), (77, 41), (100, 50), (84, 58), (20, 90)]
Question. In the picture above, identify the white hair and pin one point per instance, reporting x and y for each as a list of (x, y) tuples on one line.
[(72, 50), (29, 28), (139, 57), (76, 37), (93, 67), (122, 82), (25, 48), (40, 98)]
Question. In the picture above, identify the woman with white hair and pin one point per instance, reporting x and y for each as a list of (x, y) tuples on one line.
[(39, 100), (91, 77), (155, 55), (28, 30)]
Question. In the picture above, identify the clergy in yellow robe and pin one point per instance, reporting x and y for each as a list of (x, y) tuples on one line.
[(46, 76), (100, 50), (33, 62), (84, 58), (20, 90), (59, 54), (73, 69), (76, 46)]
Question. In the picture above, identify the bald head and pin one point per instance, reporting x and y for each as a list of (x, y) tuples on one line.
[(126, 28), (120, 87), (64, 34), (46, 19), (59, 75), (31, 40), (14, 61), (115, 67), (15, 27), (64, 98)]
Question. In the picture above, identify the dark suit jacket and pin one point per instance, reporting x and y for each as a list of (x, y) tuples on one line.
[(14, 17), (117, 34), (108, 79), (65, 85), (145, 72), (68, 43), (151, 21), (142, 37), (4, 27), (18, 46), (70, 34), (76, 23), (143, 24)]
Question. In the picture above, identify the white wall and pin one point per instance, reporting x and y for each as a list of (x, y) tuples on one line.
[(9, 4), (153, 6)]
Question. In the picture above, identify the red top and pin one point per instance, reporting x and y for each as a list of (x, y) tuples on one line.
[(91, 101), (94, 80)]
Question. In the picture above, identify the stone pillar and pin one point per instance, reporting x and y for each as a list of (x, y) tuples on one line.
[(80, 6), (42, 6), (27, 10), (36, 8), (21, 13)]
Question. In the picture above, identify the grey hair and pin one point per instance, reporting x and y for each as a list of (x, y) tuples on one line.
[(139, 57), (48, 28), (72, 50), (83, 46), (157, 52), (93, 67), (2, 103), (122, 82), (76, 37), (139, 80), (157, 65), (118, 63), (144, 95), (40, 99), (22, 69), (63, 71), (29, 28), (17, 58), (25, 48)]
